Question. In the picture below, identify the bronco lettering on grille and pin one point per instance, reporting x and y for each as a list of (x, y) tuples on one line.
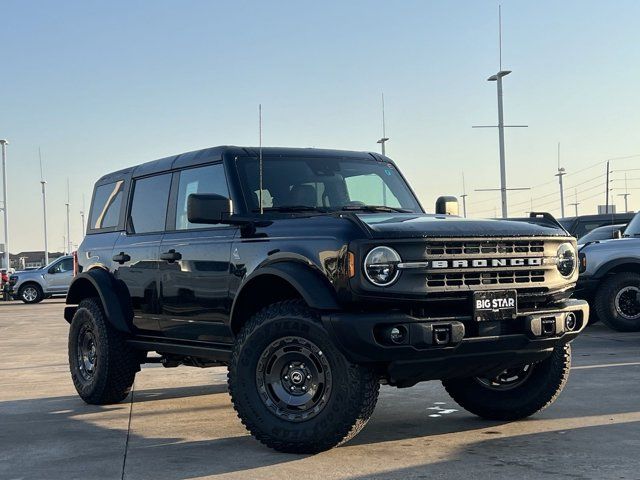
[(487, 262)]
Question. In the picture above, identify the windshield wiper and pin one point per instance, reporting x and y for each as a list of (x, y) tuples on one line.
[(292, 208), (376, 208)]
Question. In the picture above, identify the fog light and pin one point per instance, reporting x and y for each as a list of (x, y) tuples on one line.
[(570, 322), (396, 335)]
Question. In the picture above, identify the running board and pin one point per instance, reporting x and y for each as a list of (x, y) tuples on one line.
[(219, 353)]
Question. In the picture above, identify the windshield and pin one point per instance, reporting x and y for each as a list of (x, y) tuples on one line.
[(633, 229), (600, 233), (325, 184)]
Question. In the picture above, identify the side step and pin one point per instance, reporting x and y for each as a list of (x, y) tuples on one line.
[(219, 353)]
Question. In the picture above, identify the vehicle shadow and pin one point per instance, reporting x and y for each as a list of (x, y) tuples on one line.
[(62, 437)]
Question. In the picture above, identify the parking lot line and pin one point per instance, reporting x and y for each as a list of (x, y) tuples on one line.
[(606, 365)]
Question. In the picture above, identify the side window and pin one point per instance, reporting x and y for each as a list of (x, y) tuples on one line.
[(209, 179), (65, 265), (105, 211), (371, 190), (149, 204)]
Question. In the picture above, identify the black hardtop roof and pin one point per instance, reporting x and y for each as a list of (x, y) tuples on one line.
[(206, 155), (601, 216)]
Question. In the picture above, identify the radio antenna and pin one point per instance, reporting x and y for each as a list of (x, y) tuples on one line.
[(260, 155)]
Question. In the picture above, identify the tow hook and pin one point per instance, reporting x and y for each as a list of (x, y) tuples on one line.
[(442, 335)]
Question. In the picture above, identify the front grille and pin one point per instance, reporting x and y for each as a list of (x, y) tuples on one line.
[(471, 279), (470, 264), (488, 247)]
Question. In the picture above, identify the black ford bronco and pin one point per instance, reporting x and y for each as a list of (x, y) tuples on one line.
[(315, 276)]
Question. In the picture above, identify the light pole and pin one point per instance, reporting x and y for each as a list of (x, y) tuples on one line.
[(501, 126), (4, 144), (625, 195), (606, 203), (503, 173), (575, 203), (384, 138), (69, 244), (382, 141), (44, 210), (82, 216), (464, 197), (561, 173)]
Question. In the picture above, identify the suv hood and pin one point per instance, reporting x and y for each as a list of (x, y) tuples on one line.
[(411, 225), (613, 244), (35, 271)]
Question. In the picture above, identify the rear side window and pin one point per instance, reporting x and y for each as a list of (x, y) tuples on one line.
[(149, 204), (107, 200), (209, 179)]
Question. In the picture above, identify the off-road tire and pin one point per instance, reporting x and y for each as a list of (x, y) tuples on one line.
[(116, 363), (539, 390), (350, 403), (38, 290), (605, 306)]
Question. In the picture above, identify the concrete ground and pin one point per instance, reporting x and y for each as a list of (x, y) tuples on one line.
[(179, 423)]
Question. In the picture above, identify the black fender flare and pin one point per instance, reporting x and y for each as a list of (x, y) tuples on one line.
[(605, 269), (115, 299), (314, 288)]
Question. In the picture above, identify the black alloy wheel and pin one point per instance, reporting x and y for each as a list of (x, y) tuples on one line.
[(294, 378), (86, 352)]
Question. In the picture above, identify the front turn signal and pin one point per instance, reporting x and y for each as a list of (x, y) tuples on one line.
[(351, 264)]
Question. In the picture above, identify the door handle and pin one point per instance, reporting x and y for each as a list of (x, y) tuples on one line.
[(121, 258), (171, 256)]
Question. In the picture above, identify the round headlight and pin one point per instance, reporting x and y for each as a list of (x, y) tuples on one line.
[(567, 260), (381, 266)]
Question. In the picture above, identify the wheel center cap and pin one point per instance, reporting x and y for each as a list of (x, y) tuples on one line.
[(297, 377)]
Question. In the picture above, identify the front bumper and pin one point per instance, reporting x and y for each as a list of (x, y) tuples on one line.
[(439, 348)]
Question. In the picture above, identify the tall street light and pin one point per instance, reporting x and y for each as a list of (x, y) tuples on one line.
[(575, 203), (44, 210), (561, 173), (69, 244), (625, 195), (382, 141), (82, 217), (384, 138), (464, 197), (4, 144), (501, 126)]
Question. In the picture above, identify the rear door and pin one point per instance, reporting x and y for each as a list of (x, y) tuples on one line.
[(194, 263), (136, 251)]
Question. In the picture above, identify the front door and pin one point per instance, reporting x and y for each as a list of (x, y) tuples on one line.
[(136, 252), (194, 264), (59, 276)]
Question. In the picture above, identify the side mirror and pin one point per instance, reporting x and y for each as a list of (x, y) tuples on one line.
[(447, 206), (616, 234), (208, 208), (52, 270)]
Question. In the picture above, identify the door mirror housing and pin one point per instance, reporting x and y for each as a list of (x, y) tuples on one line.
[(208, 208), (616, 234), (447, 205)]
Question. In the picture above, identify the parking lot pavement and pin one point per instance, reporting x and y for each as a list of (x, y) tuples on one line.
[(179, 423)]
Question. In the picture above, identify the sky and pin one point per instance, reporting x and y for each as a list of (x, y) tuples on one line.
[(99, 86)]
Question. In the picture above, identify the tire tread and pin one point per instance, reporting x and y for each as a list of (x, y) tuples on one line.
[(356, 412), (119, 373)]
